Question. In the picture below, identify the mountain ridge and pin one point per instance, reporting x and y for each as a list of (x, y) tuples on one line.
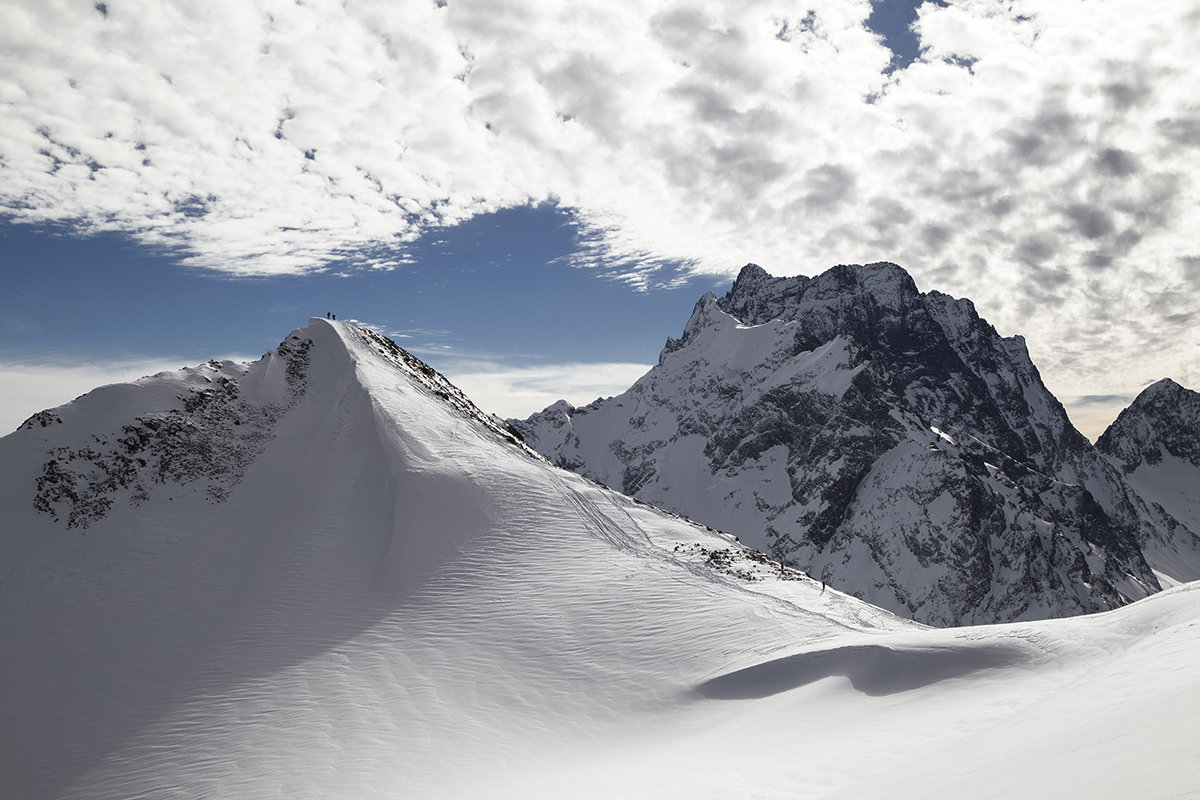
[(394, 598), (381, 505), (788, 409)]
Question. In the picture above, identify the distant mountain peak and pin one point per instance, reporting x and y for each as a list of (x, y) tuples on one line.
[(846, 292), (1163, 386), (750, 278), (1164, 417), (1155, 443), (888, 440)]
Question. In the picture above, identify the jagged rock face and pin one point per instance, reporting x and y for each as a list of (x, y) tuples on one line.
[(1164, 420), (195, 430), (1156, 445), (207, 434), (888, 440)]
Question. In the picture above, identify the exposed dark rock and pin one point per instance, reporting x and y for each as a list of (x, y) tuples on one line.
[(887, 440)]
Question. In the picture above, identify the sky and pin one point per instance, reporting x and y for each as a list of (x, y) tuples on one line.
[(532, 195)]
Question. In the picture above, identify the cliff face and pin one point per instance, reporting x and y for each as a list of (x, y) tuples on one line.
[(887, 440)]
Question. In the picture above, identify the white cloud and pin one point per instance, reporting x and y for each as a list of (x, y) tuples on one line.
[(1093, 414), (518, 391), (1041, 158)]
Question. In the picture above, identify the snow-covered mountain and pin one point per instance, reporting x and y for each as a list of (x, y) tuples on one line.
[(887, 440), (327, 574), (1155, 443)]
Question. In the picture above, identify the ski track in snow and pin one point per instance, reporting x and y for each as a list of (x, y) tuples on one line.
[(397, 602)]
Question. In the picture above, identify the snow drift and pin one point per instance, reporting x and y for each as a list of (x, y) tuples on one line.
[(327, 574)]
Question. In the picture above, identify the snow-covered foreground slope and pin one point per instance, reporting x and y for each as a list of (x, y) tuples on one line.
[(386, 596)]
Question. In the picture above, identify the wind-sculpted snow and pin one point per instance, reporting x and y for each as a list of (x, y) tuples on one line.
[(886, 440), (397, 599), (871, 669)]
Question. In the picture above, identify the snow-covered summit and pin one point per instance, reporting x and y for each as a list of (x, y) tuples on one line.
[(222, 565), (887, 439), (387, 596)]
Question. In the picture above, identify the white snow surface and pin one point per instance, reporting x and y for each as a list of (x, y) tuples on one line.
[(395, 601)]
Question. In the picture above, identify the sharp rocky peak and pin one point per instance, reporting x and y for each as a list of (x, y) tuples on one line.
[(202, 427), (756, 296), (1164, 418), (1164, 387), (887, 439), (751, 280)]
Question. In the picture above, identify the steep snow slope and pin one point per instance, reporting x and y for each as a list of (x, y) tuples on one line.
[(887, 440), (1156, 445), (387, 596)]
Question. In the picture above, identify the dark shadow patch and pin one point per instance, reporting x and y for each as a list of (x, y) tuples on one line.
[(1184, 131), (1090, 221), (1190, 266), (1129, 91), (830, 185), (1035, 249), (871, 669), (1117, 162), (936, 237)]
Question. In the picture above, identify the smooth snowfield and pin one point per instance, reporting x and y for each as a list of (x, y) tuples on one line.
[(395, 603)]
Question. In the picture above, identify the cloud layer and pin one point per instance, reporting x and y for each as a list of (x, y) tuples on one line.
[(519, 391), (1040, 158)]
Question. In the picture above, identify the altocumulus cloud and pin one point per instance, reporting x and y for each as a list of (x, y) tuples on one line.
[(1040, 158)]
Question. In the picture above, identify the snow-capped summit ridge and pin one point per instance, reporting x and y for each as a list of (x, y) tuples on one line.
[(1165, 387), (333, 575), (751, 279), (200, 428), (432, 380)]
